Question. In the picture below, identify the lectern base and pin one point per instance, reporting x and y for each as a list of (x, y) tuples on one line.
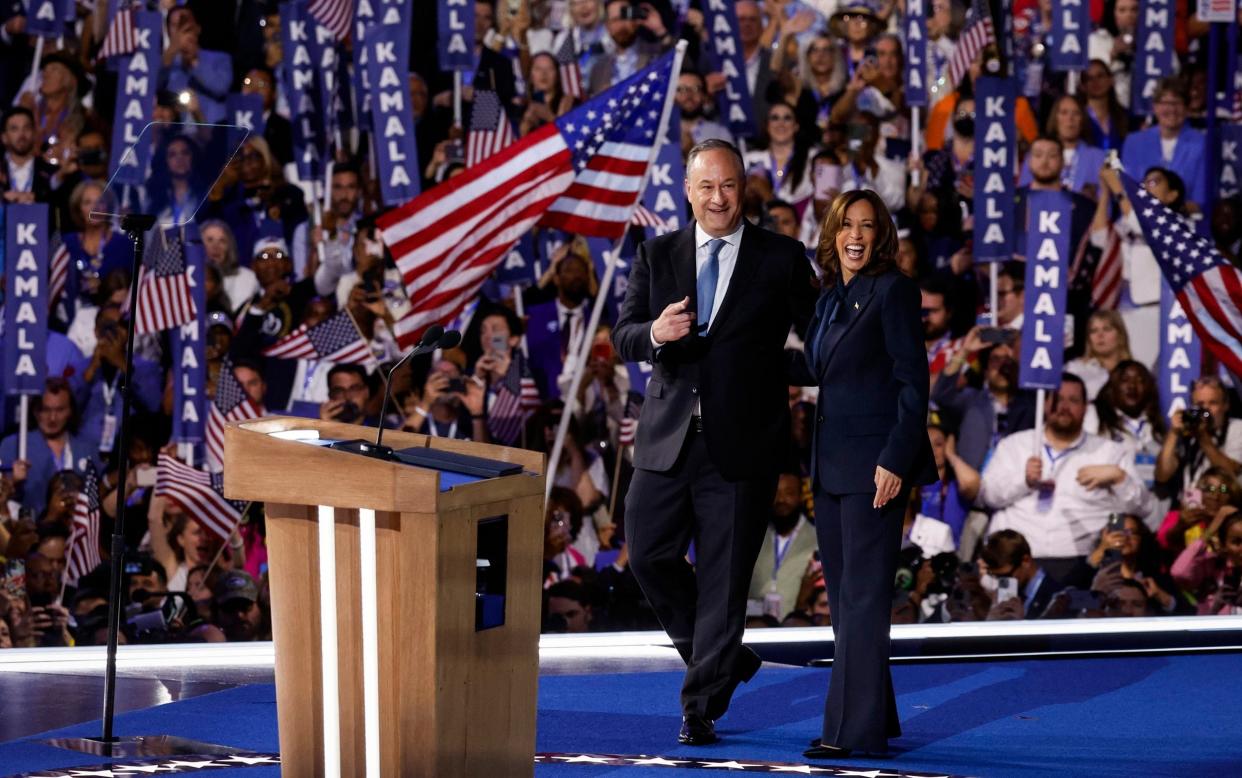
[(140, 745)]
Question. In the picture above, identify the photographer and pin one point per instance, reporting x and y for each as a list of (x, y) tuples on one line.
[(349, 396), (1202, 436), (450, 406)]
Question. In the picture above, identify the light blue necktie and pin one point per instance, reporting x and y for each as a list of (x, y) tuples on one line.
[(708, 277)]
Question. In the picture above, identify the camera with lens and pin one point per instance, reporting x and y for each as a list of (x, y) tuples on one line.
[(1194, 418), (944, 568)]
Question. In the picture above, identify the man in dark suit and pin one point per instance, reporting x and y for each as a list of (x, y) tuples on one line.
[(24, 176), (1006, 553), (710, 306), (555, 329)]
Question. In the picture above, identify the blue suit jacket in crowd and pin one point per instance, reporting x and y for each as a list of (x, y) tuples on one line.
[(84, 451), (148, 393), (543, 341), (1142, 151)]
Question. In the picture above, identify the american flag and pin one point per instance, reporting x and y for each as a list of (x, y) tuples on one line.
[(629, 420), (164, 299), (490, 129), (122, 36), (975, 38), (645, 218), (335, 339), (200, 494), (1205, 283), (582, 174), (516, 396), (229, 404), (336, 15), (58, 274), (1106, 280), (82, 555), (571, 73)]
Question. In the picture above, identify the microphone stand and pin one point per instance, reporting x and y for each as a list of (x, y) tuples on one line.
[(135, 227), (434, 338)]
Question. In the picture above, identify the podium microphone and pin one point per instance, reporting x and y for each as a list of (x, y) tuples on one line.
[(434, 338)]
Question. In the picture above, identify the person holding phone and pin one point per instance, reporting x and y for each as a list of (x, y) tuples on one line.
[(1215, 491), (864, 349), (990, 409), (1128, 551), (450, 406), (1210, 568), (503, 373)]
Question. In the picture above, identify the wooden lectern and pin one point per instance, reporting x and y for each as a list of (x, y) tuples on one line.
[(382, 664)]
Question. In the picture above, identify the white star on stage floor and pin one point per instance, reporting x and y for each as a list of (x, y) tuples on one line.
[(146, 768), (101, 773), (583, 758), (656, 761), (730, 765), (252, 759), (869, 774), (196, 765), (805, 769)]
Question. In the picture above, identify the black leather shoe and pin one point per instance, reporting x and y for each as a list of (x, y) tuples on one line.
[(697, 731), (820, 751)]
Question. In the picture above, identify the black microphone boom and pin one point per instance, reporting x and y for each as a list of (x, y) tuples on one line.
[(434, 338)]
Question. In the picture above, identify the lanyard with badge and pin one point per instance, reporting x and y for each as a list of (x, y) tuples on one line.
[(1144, 459), (435, 433), (1048, 485), (780, 550), (107, 436)]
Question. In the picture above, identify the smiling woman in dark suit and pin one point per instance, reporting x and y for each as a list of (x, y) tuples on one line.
[(865, 350)]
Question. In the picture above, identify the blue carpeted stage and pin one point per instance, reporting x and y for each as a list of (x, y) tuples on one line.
[(1119, 716)]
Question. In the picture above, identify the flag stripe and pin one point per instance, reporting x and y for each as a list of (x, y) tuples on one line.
[(592, 210), (602, 179), (444, 200), (1228, 352), (442, 249), (582, 224), (121, 37), (1206, 296), (336, 15)]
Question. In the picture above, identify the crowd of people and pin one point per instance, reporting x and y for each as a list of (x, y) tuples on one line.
[(1124, 512)]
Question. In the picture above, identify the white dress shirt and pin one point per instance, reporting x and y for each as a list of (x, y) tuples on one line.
[(21, 177), (1068, 522), (727, 258)]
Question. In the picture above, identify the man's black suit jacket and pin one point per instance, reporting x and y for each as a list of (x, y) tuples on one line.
[(737, 371)]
